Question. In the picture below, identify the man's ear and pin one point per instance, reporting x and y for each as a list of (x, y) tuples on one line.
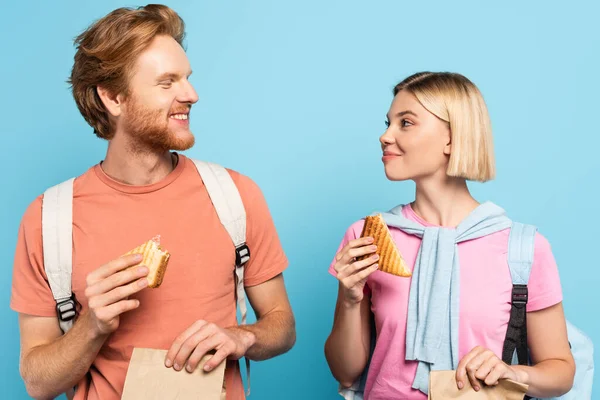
[(112, 102)]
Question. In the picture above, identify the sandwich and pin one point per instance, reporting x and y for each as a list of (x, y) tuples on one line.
[(390, 259), (155, 258)]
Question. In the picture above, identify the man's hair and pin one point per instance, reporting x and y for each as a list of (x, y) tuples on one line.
[(107, 52)]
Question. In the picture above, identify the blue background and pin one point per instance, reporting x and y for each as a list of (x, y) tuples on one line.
[(294, 94)]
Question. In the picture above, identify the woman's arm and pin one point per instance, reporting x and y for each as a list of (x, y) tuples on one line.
[(348, 346), (553, 367)]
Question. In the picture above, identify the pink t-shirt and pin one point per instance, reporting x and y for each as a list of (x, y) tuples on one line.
[(485, 296)]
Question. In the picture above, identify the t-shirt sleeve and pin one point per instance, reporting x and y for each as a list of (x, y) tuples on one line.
[(544, 282), (31, 292), (267, 258)]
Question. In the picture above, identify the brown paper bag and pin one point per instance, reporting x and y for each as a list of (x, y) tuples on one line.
[(442, 386), (148, 379)]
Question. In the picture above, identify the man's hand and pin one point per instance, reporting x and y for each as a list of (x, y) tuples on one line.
[(203, 337), (108, 290)]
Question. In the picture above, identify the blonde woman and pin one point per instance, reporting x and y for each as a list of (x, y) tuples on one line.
[(454, 310)]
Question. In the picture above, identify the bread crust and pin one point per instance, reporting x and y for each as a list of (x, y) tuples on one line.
[(155, 258), (390, 259)]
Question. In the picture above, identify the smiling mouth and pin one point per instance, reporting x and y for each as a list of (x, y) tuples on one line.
[(181, 117)]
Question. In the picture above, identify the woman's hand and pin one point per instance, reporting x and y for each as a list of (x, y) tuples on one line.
[(482, 365), (353, 274)]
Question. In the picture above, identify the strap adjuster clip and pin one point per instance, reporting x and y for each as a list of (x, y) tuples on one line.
[(66, 309), (242, 255), (519, 295)]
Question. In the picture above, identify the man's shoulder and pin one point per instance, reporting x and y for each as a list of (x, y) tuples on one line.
[(33, 213), (246, 186)]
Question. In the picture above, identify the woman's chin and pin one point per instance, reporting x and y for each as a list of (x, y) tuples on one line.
[(395, 176)]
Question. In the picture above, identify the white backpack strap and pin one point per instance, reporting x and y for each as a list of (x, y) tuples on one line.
[(229, 206), (57, 239)]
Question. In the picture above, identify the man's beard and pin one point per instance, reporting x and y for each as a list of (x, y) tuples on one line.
[(149, 130)]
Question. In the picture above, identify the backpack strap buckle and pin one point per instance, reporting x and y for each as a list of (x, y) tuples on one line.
[(66, 309), (242, 255), (519, 296)]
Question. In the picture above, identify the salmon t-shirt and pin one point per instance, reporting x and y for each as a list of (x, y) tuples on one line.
[(111, 218), (484, 305)]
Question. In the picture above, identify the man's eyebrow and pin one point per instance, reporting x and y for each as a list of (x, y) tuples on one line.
[(170, 75)]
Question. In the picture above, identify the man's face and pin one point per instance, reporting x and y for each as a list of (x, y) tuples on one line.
[(156, 112)]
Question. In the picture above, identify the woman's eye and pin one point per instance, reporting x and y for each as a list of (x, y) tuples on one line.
[(387, 124), (404, 123)]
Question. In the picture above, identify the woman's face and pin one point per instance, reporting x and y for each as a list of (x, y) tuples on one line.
[(416, 143)]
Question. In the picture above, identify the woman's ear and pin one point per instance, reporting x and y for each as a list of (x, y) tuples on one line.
[(448, 147)]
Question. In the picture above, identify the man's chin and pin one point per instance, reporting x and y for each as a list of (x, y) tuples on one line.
[(182, 142)]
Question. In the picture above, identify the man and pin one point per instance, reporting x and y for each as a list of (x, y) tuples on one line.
[(130, 82)]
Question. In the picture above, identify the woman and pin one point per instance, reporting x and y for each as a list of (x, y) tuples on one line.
[(438, 135)]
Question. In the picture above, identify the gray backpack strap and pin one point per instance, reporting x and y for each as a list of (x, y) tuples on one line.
[(57, 242), (521, 247), (229, 206)]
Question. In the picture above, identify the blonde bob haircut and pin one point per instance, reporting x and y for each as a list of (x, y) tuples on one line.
[(456, 100)]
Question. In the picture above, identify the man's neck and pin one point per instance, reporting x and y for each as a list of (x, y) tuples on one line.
[(137, 167)]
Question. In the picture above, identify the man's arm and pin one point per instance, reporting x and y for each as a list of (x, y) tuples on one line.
[(274, 332), (52, 363), (275, 328)]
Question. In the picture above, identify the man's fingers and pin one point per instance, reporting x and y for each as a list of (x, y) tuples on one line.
[(191, 344), (113, 267), (105, 314), (179, 341), (118, 279), (218, 358), (118, 293), (215, 341)]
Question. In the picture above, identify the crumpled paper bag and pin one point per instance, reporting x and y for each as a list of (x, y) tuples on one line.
[(442, 386), (148, 379)]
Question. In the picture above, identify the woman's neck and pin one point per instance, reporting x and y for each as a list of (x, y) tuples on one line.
[(443, 202)]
